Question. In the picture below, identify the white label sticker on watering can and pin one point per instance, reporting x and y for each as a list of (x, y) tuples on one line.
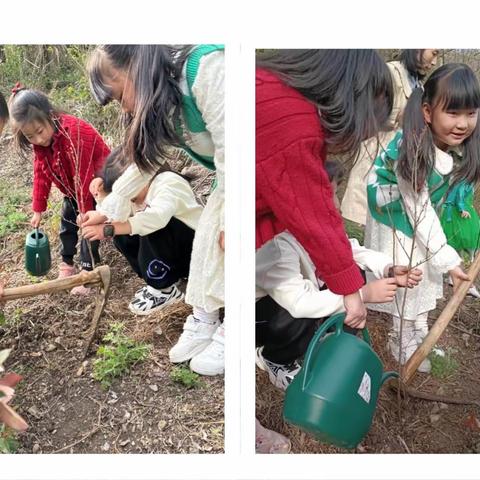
[(365, 387)]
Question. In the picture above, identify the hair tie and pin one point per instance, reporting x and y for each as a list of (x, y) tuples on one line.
[(17, 88)]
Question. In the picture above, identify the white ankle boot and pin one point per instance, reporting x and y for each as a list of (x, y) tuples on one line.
[(410, 338)]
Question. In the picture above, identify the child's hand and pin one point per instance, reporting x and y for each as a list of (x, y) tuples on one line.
[(465, 214), (93, 218), (35, 220), (355, 309), (458, 276), (380, 291), (405, 278), (96, 187), (93, 232), (221, 240)]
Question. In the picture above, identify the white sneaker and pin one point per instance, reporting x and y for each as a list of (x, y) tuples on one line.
[(280, 375), (196, 337), (473, 292), (211, 360), (407, 351), (150, 299)]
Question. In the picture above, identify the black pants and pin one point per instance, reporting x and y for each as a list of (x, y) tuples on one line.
[(284, 338), (162, 257), (69, 237)]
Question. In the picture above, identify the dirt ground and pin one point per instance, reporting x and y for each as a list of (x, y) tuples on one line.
[(407, 425), (67, 410)]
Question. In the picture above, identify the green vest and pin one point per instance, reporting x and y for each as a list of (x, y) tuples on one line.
[(192, 117), (384, 200)]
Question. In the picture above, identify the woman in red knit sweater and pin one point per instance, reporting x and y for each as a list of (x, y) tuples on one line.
[(310, 103), (69, 153)]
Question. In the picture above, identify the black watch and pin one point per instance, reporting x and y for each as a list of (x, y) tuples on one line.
[(108, 230)]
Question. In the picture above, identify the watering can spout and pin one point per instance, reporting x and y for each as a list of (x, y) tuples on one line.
[(387, 375)]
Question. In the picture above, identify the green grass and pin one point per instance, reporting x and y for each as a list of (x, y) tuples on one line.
[(12, 201), (443, 366), (13, 320), (185, 376), (118, 356), (8, 440)]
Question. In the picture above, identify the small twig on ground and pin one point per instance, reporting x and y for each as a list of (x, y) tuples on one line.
[(87, 435), (463, 330), (404, 444), (436, 398)]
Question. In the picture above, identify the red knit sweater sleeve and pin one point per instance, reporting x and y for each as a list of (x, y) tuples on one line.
[(292, 181), (41, 186)]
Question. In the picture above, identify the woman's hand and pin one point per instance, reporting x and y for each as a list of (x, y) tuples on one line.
[(92, 218), (458, 276), (93, 232), (35, 220), (465, 214), (221, 240), (380, 291), (355, 310)]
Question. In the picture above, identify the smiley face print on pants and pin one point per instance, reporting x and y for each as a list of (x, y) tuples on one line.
[(157, 270)]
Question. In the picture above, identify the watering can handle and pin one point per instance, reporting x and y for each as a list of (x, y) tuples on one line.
[(337, 320)]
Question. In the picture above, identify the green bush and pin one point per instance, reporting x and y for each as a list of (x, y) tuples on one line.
[(185, 376), (116, 358), (443, 366)]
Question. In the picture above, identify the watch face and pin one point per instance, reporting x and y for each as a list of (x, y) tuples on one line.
[(108, 231)]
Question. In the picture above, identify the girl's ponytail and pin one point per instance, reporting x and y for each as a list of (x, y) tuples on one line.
[(417, 153)]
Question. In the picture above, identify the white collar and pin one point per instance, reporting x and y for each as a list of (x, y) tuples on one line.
[(443, 161)]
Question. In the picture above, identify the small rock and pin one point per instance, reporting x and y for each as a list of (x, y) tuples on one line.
[(124, 443), (106, 447), (81, 369), (50, 347), (443, 406), (435, 418), (127, 415), (441, 390), (36, 448), (36, 354), (162, 424), (158, 331), (153, 387), (34, 412), (436, 408), (466, 339)]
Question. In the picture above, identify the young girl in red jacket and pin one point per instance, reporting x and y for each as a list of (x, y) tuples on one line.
[(68, 152)]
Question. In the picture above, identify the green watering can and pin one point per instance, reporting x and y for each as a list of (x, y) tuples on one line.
[(37, 253), (335, 393)]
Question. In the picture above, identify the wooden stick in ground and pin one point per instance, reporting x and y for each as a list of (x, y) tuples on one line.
[(52, 286), (441, 323), (99, 306)]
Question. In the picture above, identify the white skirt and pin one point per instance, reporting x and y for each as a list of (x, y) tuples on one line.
[(398, 246), (206, 281)]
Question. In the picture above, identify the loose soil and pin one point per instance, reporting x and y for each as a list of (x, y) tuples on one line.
[(66, 408)]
